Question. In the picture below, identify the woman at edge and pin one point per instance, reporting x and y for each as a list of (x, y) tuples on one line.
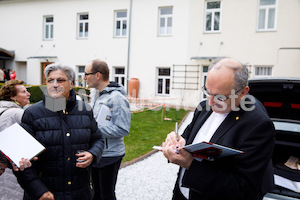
[(13, 97)]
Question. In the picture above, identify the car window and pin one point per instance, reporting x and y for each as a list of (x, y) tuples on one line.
[(287, 126)]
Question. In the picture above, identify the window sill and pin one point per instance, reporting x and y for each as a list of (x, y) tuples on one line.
[(164, 35), (120, 37), (162, 95), (82, 38), (211, 32), (266, 30)]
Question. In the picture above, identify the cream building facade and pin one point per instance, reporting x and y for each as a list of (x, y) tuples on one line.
[(166, 44)]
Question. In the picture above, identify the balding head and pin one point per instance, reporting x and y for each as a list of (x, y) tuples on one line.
[(239, 70)]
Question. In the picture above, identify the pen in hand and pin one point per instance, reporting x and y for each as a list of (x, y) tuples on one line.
[(176, 131)]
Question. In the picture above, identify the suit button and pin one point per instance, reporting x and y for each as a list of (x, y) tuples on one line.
[(68, 134), (69, 182), (69, 158)]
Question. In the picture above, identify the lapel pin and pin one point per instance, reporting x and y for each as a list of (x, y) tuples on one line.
[(237, 118)]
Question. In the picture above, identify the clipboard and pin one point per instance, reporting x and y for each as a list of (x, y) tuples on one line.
[(16, 143), (210, 151)]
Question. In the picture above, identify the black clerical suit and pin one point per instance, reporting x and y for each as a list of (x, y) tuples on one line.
[(243, 176)]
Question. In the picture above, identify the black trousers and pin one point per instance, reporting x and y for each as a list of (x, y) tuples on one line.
[(105, 179), (177, 195)]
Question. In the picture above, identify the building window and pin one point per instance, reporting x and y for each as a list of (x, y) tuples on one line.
[(119, 75), (120, 24), (83, 25), (263, 71), (165, 21), (266, 15), (48, 27), (80, 74), (163, 81), (204, 76), (212, 16)]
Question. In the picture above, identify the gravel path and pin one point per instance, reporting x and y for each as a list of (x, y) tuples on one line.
[(150, 179)]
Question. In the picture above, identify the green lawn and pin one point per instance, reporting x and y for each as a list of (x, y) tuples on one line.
[(148, 129)]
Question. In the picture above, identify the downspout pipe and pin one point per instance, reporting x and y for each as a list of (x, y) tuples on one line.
[(128, 45)]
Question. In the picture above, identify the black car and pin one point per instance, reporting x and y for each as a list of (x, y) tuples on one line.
[(281, 98)]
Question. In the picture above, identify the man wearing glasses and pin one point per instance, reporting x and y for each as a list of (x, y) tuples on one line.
[(221, 119), (61, 173), (109, 96)]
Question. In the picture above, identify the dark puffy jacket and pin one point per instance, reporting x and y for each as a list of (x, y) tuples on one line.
[(62, 133)]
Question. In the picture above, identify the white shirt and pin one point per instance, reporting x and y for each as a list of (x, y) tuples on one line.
[(205, 133)]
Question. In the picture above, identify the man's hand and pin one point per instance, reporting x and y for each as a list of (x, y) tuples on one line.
[(84, 160), (173, 151), (171, 140), (47, 196), (2, 168)]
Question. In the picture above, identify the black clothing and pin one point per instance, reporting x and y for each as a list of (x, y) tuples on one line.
[(62, 133), (108, 176), (244, 176)]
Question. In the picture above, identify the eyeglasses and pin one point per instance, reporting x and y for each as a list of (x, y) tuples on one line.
[(86, 74), (219, 97), (59, 81)]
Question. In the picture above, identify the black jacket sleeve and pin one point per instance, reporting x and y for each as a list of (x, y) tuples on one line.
[(29, 179)]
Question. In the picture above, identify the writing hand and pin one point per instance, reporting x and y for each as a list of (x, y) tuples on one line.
[(181, 157), (86, 159), (171, 139)]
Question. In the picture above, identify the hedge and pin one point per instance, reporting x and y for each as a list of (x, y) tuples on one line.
[(37, 94)]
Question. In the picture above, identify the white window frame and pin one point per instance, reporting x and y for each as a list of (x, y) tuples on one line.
[(164, 82), (120, 76), (262, 71), (122, 21), (80, 74), (213, 12), (204, 76), (48, 28), (266, 9), (84, 23), (165, 30)]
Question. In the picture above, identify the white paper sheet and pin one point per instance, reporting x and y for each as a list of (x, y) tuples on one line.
[(16, 143)]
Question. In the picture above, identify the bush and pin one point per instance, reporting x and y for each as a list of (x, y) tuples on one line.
[(35, 91), (80, 88), (37, 94)]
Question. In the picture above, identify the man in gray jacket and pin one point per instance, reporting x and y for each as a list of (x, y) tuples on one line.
[(109, 96)]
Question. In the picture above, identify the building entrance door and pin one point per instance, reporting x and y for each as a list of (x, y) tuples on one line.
[(43, 66)]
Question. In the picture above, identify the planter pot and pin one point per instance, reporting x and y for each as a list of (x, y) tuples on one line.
[(133, 87)]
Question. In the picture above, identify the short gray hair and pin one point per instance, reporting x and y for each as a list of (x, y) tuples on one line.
[(240, 72), (70, 73)]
